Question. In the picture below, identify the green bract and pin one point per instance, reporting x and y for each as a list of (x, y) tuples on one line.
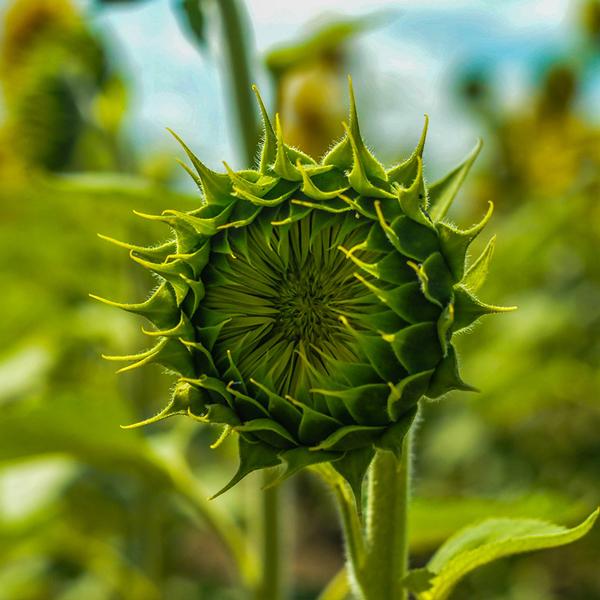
[(308, 305)]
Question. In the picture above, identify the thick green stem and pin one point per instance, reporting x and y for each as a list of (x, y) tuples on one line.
[(352, 528), (235, 35), (386, 562), (351, 524), (271, 584)]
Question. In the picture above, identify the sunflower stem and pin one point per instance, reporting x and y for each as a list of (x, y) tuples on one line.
[(271, 585), (352, 528), (386, 561), (238, 73)]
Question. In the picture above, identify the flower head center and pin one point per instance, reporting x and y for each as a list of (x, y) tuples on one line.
[(306, 305), (282, 300)]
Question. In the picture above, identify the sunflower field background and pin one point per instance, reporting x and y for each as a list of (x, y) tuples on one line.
[(91, 511)]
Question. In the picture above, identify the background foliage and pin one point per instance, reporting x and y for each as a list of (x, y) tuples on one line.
[(88, 510)]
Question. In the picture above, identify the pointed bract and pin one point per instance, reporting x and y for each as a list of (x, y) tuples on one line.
[(215, 186), (268, 150), (477, 273), (405, 172), (443, 192)]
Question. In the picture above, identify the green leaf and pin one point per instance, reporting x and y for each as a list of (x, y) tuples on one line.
[(479, 544), (408, 237), (380, 354), (434, 519), (283, 165), (310, 188), (314, 425), (218, 414)]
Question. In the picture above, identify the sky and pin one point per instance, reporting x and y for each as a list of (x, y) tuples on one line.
[(404, 68)]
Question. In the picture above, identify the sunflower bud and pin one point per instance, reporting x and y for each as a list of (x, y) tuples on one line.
[(309, 306)]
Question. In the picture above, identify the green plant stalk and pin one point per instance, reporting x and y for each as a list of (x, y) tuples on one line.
[(386, 562), (377, 555), (238, 62), (352, 529), (271, 584)]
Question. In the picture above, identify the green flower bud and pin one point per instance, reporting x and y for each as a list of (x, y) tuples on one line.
[(309, 306)]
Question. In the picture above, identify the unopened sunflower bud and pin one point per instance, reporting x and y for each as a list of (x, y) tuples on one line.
[(313, 304)]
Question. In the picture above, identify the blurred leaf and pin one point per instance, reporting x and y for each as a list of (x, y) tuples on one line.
[(432, 520), (114, 185), (33, 561), (111, 104), (27, 489), (24, 369), (85, 427), (328, 36), (490, 540), (338, 588)]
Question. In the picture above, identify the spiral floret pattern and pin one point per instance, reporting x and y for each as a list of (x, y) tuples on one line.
[(310, 306)]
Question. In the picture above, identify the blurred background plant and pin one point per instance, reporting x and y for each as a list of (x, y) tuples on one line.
[(90, 511)]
